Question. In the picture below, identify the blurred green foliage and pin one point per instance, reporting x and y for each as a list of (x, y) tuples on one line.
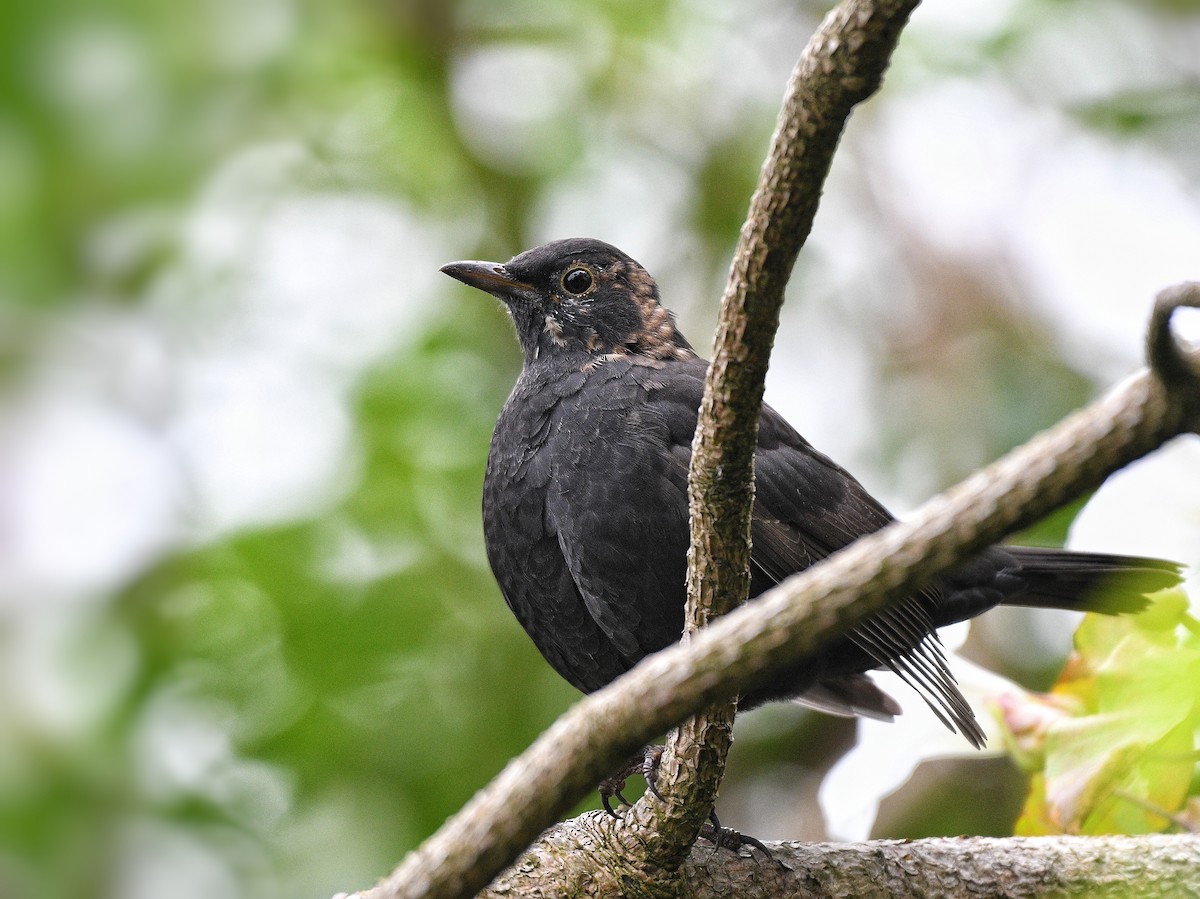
[(285, 709), (1112, 748)]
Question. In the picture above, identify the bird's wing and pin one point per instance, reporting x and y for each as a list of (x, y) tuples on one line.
[(618, 502), (806, 508)]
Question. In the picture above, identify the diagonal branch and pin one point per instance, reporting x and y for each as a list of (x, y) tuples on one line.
[(801, 615)]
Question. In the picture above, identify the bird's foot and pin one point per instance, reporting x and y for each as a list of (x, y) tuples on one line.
[(611, 787), (728, 838), (644, 763), (647, 764)]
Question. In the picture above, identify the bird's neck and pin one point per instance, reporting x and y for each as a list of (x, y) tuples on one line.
[(661, 344)]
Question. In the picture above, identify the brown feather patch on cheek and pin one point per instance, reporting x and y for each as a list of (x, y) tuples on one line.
[(657, 335)]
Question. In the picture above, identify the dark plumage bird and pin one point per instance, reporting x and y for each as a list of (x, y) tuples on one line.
[(585, 502)]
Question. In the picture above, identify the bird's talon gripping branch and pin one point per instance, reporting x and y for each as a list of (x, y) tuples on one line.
[(1176, 364), (728, 838), (610, 787), (650, 764), (645, 763)]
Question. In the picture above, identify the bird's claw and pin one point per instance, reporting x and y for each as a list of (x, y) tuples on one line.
[(644, 763), (728, 838), (647, 764), (651, 759), (610, 787)]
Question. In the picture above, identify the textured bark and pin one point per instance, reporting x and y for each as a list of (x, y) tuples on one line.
[(1153, 867)]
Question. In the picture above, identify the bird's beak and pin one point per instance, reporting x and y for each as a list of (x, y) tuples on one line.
[(490, 277)]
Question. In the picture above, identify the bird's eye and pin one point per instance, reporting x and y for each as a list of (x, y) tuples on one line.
[(577, 281)]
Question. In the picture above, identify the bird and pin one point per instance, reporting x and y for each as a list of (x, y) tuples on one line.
[(585, 509)]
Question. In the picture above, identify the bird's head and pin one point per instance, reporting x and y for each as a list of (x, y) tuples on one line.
[(578, 295)]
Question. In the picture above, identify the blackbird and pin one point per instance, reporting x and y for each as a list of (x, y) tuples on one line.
[(585, 510)]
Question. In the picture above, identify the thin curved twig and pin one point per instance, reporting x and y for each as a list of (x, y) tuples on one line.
[(841, 66), (1175, 365)]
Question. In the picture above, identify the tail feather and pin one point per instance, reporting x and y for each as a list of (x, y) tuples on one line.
[(1088, 582)]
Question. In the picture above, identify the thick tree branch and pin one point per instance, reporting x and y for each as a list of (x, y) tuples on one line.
[(842, 65), (794, 620), (1144, 867)]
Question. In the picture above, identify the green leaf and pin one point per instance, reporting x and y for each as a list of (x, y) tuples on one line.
[(1125, 762)]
